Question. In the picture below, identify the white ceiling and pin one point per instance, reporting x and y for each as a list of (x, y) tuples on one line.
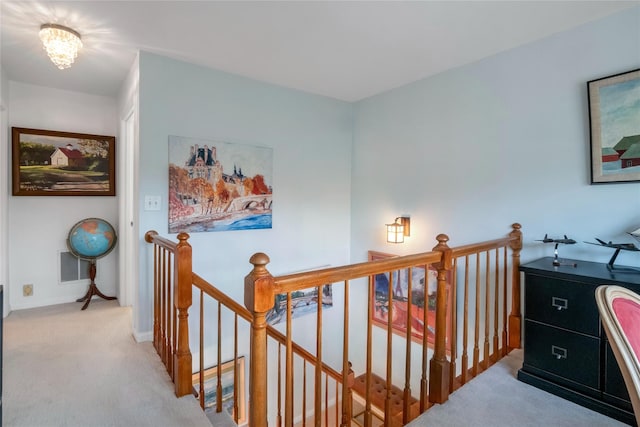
[(347, 50)]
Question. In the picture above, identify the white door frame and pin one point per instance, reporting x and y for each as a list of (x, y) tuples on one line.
[(127, 211)]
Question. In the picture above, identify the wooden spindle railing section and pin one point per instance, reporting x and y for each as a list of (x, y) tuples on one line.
[(483, 270), (300, 281), (172, 266), (473, 271)]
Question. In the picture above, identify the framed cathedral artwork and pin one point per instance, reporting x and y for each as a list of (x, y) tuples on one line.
[(614, 109), (54, 163), (218, 186), (421, 313)]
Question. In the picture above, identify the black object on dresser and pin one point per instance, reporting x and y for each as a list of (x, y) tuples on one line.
[(565, 348)]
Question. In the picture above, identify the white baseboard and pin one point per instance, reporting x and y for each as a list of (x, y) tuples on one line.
[(42, 302), (143, 336)]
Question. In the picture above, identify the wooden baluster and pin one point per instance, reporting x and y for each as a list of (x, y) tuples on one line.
[(515, 318), (148, 237), (219, 364), (201, 349), (158, 287), (367, 378), (476, 339), (259, 299), (288, 410), (347, 376), (496, 315), (279, 390), (487, 309), (465, 323), (453, 336), (167, 317), (156, 299), (163, 285), (174, 331), (336, 405), (439, 366), (182, 289), (406, 409), (387, 400), (424, 382), (236, 374), (504, 302), (304, 392), (318, 376), (326, 400)]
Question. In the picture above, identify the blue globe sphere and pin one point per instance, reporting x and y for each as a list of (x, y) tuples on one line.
[(91, 238)]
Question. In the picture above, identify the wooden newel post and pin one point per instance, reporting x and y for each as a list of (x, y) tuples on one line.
[(439, 367), (259, 299), (515, 318), (182, 301)]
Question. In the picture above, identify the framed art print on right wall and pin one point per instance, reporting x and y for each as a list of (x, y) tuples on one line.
[(614, 116)]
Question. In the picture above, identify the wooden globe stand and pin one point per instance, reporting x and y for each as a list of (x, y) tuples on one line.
[(93, 289)]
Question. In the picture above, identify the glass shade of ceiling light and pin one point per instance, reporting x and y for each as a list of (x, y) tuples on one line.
[(61, 44)]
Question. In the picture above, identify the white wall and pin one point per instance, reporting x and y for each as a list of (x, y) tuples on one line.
[(38, 226), (499, 141), (311, 140)]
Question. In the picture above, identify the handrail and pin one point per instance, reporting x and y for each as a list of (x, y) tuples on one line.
[(218, 295), (472, 248), (309, 279), (152, 236)]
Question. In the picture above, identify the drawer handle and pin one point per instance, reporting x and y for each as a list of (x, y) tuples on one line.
[(560, 303), (559, 352)]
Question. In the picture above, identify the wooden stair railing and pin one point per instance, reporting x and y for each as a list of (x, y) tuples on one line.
[(485, 306), (170, 258)]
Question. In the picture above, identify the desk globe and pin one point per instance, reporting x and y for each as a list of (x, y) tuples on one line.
[(90, 239)]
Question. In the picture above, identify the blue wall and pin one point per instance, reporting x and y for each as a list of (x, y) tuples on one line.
[(472, 150), (311, 140)]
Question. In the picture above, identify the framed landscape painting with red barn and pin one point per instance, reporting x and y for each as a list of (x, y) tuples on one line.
[(53, 163), (614, 115)]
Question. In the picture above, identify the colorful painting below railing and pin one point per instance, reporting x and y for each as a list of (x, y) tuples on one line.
[(423, 293), (302, 303), (218, 186), (227, 381)]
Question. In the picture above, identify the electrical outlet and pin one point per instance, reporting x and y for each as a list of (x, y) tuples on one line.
[(27, 290)]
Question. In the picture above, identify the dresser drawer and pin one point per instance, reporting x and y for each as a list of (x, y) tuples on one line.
[(566, 354), (562, 303)]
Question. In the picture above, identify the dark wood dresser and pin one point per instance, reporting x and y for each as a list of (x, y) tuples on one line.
[(565, 348)]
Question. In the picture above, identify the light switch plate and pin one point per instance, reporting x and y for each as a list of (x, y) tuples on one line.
[(152, 203)]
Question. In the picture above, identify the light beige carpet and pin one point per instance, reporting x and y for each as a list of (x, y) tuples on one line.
[(67, 367), (496, 398)]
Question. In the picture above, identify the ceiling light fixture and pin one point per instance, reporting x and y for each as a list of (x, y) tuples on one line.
[(61, 44)]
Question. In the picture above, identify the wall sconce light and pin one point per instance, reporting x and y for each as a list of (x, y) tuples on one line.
[(400, 228)]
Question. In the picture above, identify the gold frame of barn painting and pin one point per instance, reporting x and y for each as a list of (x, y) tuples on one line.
[(53, 163), (614, 108)]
